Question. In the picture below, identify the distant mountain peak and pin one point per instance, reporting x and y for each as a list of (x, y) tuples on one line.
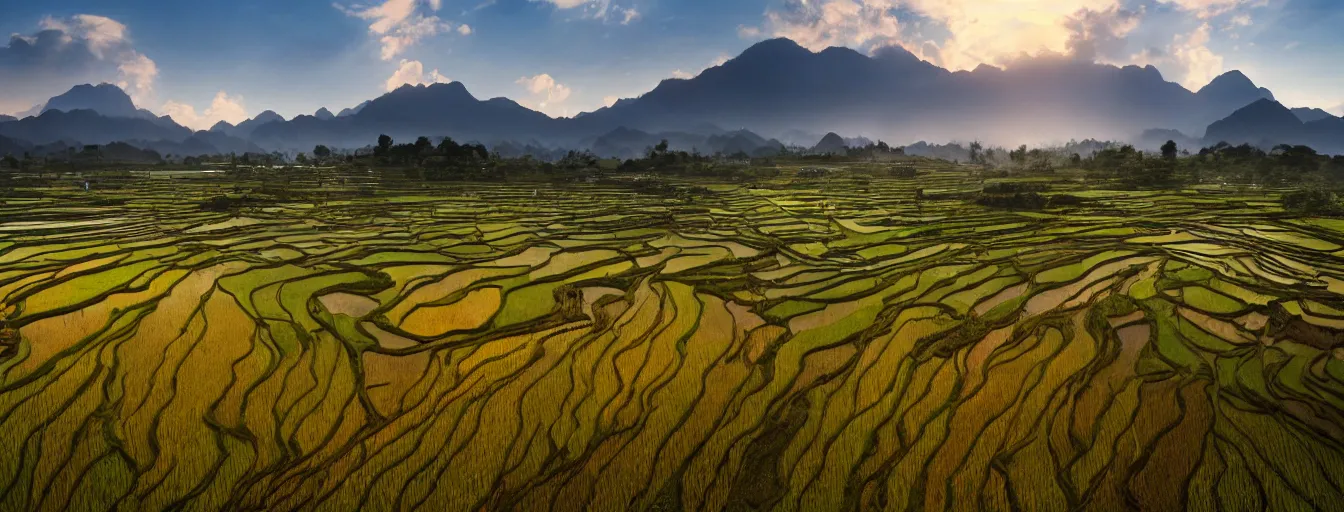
[(347, 112), (831, 143), (221, 127), (105, 99), (457, 89), (268, 116), (1262, 120), (1234, 76), (324, 114), (842, 51), (451, 90), (778, 47), (1308, 115), (986, 68), (896, 53), (1234, 84)]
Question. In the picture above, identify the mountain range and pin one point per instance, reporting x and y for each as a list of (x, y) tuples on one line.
[(1267, 123), (775, 88)]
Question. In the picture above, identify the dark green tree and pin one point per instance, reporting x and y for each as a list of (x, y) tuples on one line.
[(1169, 150)]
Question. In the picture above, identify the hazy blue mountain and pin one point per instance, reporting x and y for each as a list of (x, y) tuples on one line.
[(776, 87), (106, 99), (896, 96), (796, 137), (831, 143), (1234, 88), (742, 141), (1308, 115), (121, 152), (1152, 140), (191, 146), (324, 114), (6, 119), (222, 127), (225, 143), (88, 127), (412, 111), (245, 128), (626, 143), (198, 144), (36, 110), (1325, 135), (1264, 123), (346, 112), (857, 142), (623, 143), (15, 147)]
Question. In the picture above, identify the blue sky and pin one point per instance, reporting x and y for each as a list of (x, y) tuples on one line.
[(206, 60)]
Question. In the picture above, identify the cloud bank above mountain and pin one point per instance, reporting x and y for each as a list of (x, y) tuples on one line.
[(84, 47), (1173, 35)]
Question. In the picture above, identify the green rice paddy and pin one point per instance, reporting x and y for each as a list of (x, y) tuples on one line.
[(791, 344)]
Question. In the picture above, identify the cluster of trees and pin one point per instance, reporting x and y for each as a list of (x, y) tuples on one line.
[(1222, 162), (72, 158), (424, 153), (1282, 164), (874, 151), (1133, 166), (1313, 201), (445, 161)]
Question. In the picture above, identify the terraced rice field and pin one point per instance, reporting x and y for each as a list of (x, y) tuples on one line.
[(806, 346)]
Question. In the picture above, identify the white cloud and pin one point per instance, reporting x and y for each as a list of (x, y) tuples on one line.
[(1292, 45), (398, 25), (602, 10), (608, 101), (107, 41), (102, 34), (629, 15), (967, 33), (138, 73), (464, 29), (722, 59), (1205, 9), (1100, 35), (548, 95), (567, 4), (413, 72), (822, 23), (222, 108), (1188, 57), (682, 75)]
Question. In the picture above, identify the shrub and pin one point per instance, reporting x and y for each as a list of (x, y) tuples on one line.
[(1015, 188), (902, 172), (1017, 201), (1322, 202)]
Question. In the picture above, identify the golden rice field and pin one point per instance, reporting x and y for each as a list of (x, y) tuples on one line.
[(830, 344)]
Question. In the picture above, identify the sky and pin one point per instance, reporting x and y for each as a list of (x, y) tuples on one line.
[(209, 60)]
